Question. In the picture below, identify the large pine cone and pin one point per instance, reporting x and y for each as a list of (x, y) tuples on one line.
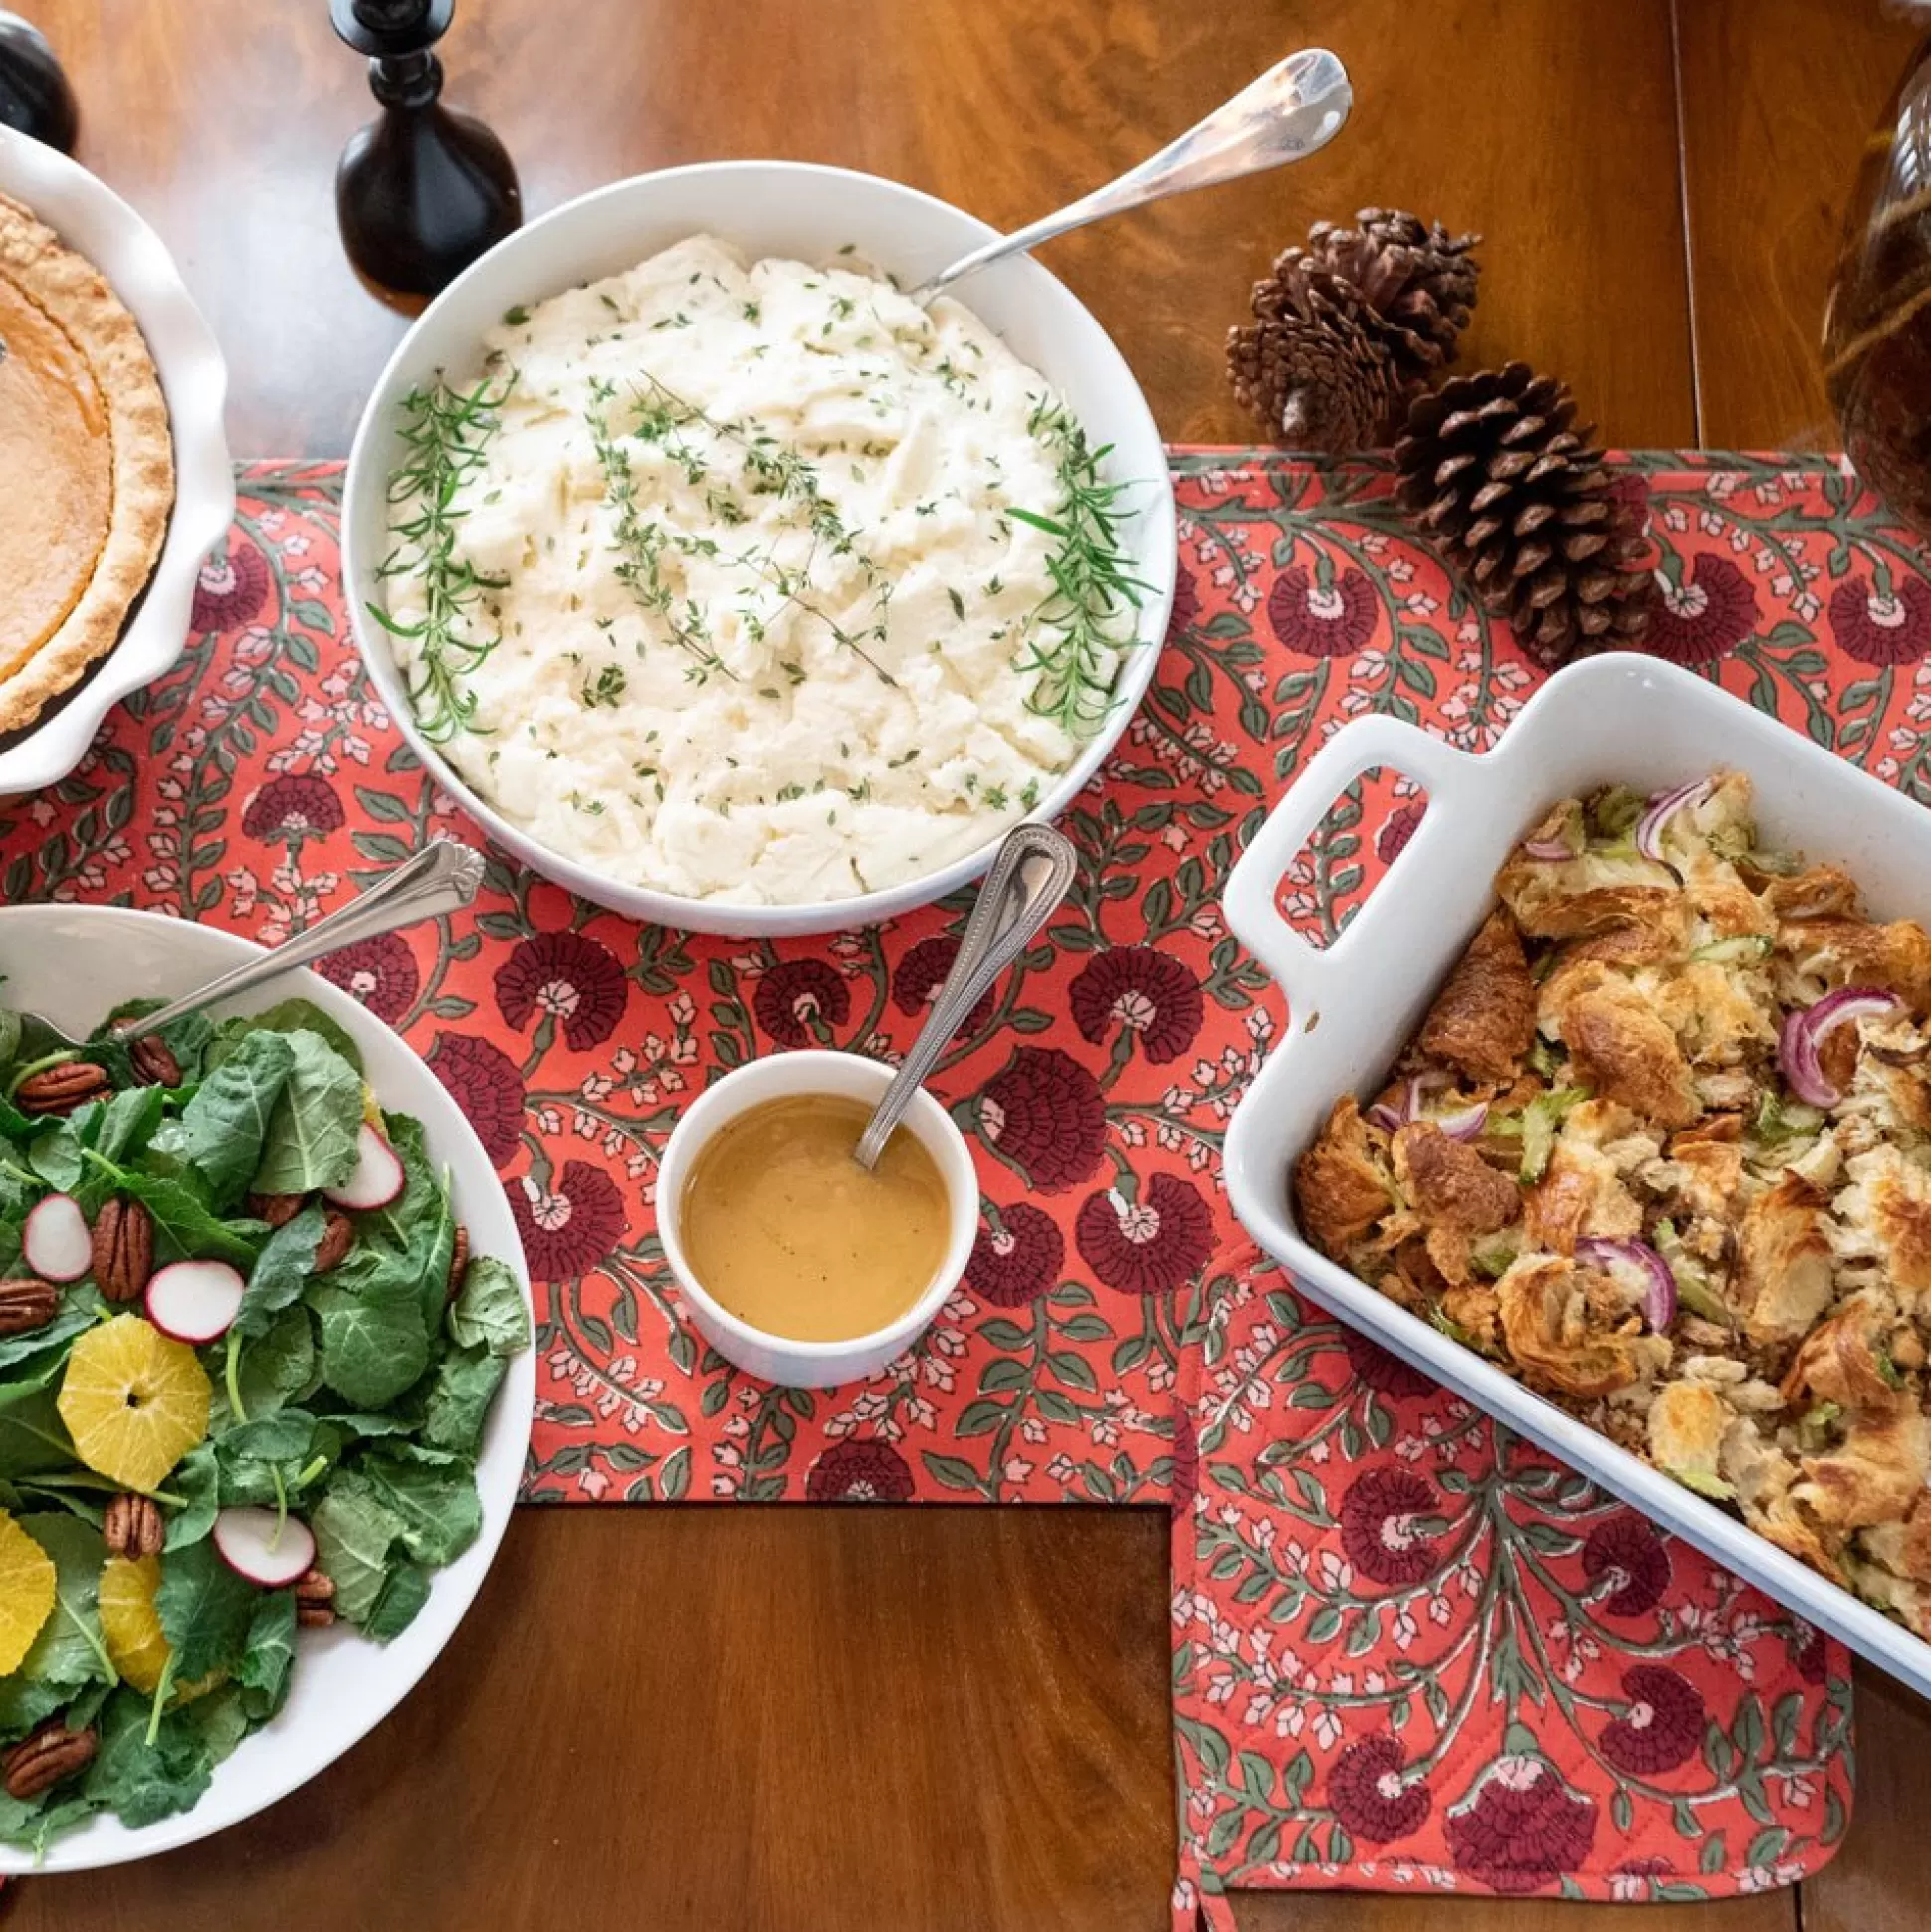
[(1348, 327), (1491, 468)]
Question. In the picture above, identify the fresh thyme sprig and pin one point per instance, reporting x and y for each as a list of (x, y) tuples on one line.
[(1076, 635), (444, 432)]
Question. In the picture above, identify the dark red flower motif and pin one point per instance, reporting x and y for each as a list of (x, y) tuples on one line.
[(1186, 603), (381, 973), (1045, 1114), (1520, 1827), (572, 1228), (569, 976), (292, 808), (1874, 629), (1378, 1525), (1382, 1371), (231, 590), (853, 1471), (1371, 1796), (919, 974), (797, 995), (1397, 829), (1663, 1726), (487, 1086), (1706, 616), (1813, 1658), (1336, 621), (1022, 1261), (1627, 1550), (1185, 1483), (1148, 993), (1146, 1247)]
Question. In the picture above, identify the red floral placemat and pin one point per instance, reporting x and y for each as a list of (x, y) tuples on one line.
[(1412, 1652), (258, 783)]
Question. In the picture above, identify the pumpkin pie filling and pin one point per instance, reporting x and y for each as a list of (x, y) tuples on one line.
[(55, 445)]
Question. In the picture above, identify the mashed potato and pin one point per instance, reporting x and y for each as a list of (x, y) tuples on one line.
[(758, 617)]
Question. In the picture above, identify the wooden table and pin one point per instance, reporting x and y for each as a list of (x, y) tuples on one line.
[(792, 1718)]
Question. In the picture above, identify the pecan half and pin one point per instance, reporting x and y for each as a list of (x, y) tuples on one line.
[(459, 1259), (131, 1525), (44, 1756), (314, 1599), (338, 1237), (58, 1090), (124, 1248), (278, 1210), (153, 1062), (26, 1303)]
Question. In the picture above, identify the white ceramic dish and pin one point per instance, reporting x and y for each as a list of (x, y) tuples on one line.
[(813, 1365), (769, 208), (92, 219), (1613, 718), (75, 963)]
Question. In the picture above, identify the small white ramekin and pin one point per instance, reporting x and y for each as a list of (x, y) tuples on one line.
[(777, 1358)]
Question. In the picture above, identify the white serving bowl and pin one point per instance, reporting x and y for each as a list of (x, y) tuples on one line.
[(91, 219), (75, 963), (778, 1358), (768, 208), (1616, 719)]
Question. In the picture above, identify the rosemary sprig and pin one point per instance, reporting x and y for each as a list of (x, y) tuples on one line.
[(642, 544), (444, 432), (1075, 636)]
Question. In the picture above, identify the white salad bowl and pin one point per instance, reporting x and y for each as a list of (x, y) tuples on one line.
[(91, 218), (786, 208), (75, 963), (1352, 1008)]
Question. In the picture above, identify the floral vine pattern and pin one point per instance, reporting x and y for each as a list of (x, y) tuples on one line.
[(1409, 1651)]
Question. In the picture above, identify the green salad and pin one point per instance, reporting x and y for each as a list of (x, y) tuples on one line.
[(244, 1364)]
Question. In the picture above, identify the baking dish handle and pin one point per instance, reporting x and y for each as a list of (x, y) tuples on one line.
[(1251, 902)]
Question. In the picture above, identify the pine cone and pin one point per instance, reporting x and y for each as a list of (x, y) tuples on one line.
[(1349, 326), (1519, 503)]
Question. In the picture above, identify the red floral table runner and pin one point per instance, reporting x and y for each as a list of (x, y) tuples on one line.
[(1406, 1653)]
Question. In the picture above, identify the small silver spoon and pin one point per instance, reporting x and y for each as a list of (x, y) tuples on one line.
[(1294, 108), (440, 877), (1027, 880)]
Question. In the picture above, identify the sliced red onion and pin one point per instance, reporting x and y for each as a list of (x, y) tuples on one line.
[(1804, 1034), (1409, 1107), (1661, 810), (1464, 1122), (1555, 850), (1385, 1118), (1660, 1291)]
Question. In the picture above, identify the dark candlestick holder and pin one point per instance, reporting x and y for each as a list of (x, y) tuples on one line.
[(420, 192), (35, 99)]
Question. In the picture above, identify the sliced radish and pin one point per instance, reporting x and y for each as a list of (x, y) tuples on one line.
[(377, 1179), (56, 1240), (267, 1549), (194, 1301)]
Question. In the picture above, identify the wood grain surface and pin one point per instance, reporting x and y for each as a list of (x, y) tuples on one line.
[(789, 1718)]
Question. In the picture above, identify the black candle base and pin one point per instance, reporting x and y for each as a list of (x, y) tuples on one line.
[(35, 99), (421, 192)]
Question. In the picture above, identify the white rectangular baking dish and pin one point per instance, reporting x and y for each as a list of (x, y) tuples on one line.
[(1353, 1005)]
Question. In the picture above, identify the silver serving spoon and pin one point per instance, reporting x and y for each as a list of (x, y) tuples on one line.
[(1290, 111), (440, 877), (1026, 881)]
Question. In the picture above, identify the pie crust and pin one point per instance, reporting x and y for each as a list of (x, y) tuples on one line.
[(92, 374)]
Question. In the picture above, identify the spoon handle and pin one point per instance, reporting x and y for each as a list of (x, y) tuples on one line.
[(1295, 107), (1026, 882), (440, 877)]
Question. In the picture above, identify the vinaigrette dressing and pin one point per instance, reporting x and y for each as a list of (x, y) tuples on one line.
[(786, 1232)]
